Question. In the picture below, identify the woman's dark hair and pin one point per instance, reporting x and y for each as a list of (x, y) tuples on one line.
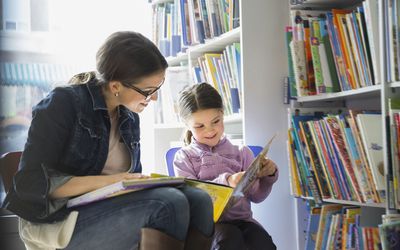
[(197, 97), (128, 56)]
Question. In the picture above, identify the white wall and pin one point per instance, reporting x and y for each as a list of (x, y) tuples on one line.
[(79, 28), (264, 68)]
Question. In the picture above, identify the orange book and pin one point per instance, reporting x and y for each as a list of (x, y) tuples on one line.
[(309, 62), (345, 50)]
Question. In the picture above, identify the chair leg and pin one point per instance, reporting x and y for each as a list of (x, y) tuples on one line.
[(152, 239), (195, 240)]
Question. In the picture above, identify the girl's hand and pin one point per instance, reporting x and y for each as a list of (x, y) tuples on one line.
[(234, 179), (268, 168)]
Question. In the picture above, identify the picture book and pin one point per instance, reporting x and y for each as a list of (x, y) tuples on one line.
[(312, 228), (223, 196), (248, 178), (123, 187), (373, 143), (220, 194)]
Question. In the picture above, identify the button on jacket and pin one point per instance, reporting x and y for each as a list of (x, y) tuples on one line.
[(69, 136)]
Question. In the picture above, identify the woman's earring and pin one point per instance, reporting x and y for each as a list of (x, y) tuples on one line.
[(116, 94)]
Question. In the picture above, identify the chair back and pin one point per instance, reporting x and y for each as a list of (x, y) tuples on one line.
[(8, 167), (169, 157)]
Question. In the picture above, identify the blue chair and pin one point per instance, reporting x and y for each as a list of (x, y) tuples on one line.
[(169, 157)]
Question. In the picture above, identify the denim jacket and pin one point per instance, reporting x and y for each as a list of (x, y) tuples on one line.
[(69, 136)]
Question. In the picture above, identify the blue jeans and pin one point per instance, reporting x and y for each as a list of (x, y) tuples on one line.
[(115, 223)]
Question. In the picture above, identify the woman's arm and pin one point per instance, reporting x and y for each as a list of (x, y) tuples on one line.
[(83, 184)]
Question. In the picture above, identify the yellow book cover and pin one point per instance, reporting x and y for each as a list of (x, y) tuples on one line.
[(331, 208), (341, 38), (223, 196), (211, 70), (294, 178), (220, 194), (350, 217)]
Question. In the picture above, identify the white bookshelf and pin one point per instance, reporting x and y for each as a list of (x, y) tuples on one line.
[(215, 44), (366, 92), (394, 85), (155, 2), (363, 98), (178, 60), (261, 36)]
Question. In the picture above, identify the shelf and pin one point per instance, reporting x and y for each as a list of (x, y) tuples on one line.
[(27, 42), (344, 202), (231, 119), (394, 85), (235, 118), (355, 93), (324, 4), (355, 203), (177, 60), (216, 44), (155, 2)]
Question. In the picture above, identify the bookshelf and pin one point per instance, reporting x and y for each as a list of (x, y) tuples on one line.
[(262, 113), (373, 96)]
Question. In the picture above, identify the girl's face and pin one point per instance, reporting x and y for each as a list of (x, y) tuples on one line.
[(207, 126), (136, 101)]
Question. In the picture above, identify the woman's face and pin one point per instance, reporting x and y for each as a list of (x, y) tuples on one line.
[(207, 126), (134, 97)]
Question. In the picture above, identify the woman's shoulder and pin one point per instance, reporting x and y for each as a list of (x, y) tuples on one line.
[(62, 99)]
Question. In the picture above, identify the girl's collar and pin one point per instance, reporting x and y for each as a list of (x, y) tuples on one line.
[(206, 147)]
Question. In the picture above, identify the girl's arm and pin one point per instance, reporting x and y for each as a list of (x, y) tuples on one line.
[(183, 166)]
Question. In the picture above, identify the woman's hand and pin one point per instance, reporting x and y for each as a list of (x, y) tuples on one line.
[(268, 168), (234, 179)]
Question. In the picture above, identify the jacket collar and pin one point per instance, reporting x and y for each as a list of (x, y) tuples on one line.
[(96, 94), (208, 148), (99, 102)]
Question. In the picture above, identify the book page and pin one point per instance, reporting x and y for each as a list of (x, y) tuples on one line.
[(123, 187), (251, 173)]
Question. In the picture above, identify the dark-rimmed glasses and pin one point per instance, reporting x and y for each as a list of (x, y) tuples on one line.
[(146, 93)]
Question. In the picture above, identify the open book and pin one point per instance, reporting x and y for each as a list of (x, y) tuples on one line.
[(248, 178), (123, 187), (223, 196)]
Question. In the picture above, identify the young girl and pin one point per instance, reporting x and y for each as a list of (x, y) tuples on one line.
[(209, 155)]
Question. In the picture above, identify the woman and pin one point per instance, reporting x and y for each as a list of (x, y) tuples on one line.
[(86, 136)]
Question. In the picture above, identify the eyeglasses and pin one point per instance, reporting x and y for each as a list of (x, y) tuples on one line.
[(146, 93)]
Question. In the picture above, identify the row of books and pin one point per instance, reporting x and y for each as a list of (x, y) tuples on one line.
[(336, 226), (42, 75), (331, 51), (394, 168), (182, 23), (223, 71), (392, 38), (337, 155), (166, 107)]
